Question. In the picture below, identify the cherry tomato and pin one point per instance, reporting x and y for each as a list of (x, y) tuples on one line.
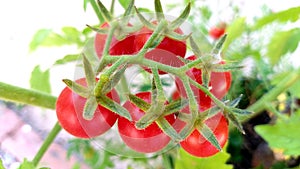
[(196, 145), (217, 31), (164, 57), (219, 85), (150, 139), (69, 108), (123, 47), (166, 52)]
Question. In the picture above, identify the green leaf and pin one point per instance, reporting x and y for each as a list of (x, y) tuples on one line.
[(282, 43), (284, 134), (185, 160), (49, 38), (291, 14), (26, 165), (38, 38), (40, 80), (124, 3), (1, 164), (234, 31), (295, 89), (72, 34), (67, 59)]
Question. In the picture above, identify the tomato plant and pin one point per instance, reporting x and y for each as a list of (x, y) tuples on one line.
[(150, 139), (198, 146), (219, 84), (69, 109), (117, 47)]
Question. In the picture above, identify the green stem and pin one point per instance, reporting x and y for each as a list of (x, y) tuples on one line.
[(160, 27), (105, 53), (281, 87), (20, 95), (47, 142), (97, 11)]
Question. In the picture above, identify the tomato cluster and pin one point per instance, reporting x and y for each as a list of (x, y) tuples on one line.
[(70, 105)]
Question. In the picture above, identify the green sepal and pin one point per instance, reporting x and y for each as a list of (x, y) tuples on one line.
[(158, 10), (168, 129), (177, 36), (205, 75), (195, 47), (77, 88), (105, 13), (129, 9), (217, 48), (175, 106), (188, 128), (241, 111), (113, 106), (114, 79), (235, 121), (144, 20), (98, 30), (236, 101), (149, 117), (90, 108), (183, 16), (103, 80), (227, 67), (140, 103), (209, 135), (89, 72)]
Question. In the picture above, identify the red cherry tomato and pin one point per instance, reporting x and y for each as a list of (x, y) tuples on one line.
[(196, 145), (164, 57), (150, 139), (174, 46), (219, 84), (69, 108), (216, 32), (123, 47)]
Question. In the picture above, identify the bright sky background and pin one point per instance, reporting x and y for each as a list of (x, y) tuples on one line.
[(21, 19)]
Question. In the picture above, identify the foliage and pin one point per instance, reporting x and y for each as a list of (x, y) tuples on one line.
[(283, 134)]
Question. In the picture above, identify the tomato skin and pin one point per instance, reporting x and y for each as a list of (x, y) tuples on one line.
[(148, 140), (69, 108), (216, 32), (123, 47), (219, 83), (196, 145), (174, 46)]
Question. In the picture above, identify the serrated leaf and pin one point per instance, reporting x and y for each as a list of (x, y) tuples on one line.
[(234, 31), (26, 165), (40, 80), (72, 34), (185, 161), (38, 38), (291, 14), (284, 134), (282, 43), (67, 59)]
